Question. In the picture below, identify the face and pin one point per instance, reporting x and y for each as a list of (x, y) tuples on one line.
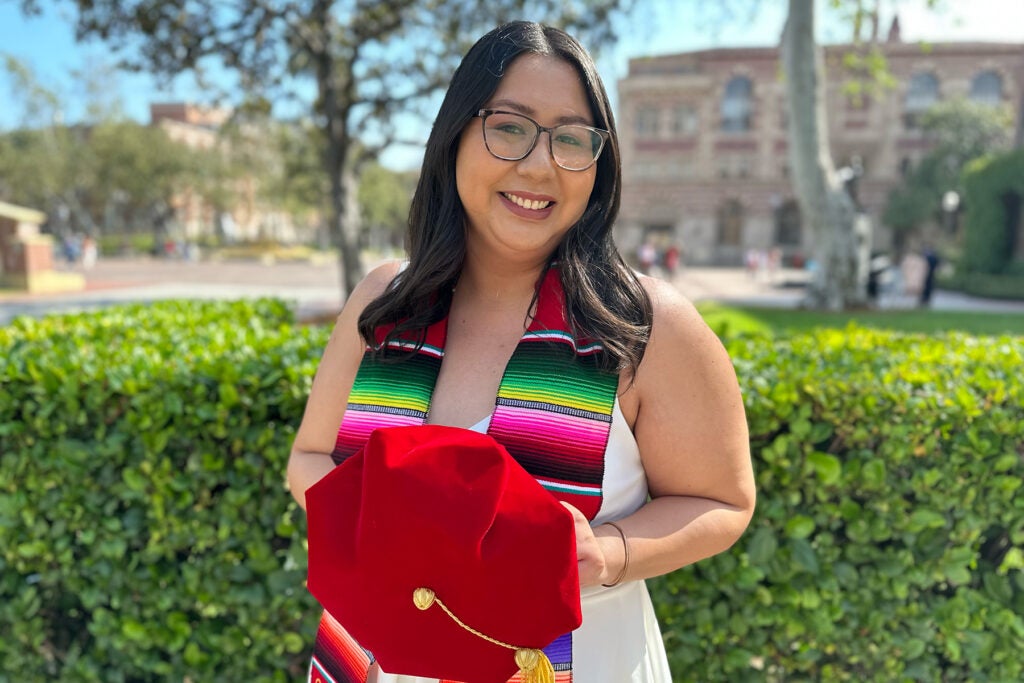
[(522, 209)]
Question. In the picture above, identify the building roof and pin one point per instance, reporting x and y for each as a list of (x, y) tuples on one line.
[(21, 213), (690, 62)]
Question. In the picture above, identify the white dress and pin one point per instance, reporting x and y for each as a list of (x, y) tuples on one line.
[(619, 640)]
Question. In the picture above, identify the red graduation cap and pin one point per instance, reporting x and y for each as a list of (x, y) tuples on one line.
[(443, 557)]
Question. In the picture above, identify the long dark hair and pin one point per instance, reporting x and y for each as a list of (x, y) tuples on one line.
[(605, 301)]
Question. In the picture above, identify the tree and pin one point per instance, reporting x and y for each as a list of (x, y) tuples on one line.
[(829, 210), (384, 196), (367, 58), (960, 131), (103, 174)]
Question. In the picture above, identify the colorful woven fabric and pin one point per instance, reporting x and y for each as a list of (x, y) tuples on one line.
[(552, 413)]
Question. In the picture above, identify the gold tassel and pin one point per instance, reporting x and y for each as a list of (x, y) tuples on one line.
[(423, 597), (535, 666)]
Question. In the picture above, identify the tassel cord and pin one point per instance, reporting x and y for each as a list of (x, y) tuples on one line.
[(533, 663)]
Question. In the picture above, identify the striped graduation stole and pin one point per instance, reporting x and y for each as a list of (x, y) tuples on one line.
[(553, 414)]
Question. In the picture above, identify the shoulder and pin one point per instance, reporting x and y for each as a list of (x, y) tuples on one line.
[(690, 419), (371, 286), (673, 315), (682, 351)]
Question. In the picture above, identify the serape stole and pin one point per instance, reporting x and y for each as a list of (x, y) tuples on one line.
[(553, 414)]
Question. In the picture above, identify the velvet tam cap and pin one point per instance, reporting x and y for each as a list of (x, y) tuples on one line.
[(443, 557)]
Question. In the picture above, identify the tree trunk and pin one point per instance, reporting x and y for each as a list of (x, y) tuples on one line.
[(344, 210), (839, 239)]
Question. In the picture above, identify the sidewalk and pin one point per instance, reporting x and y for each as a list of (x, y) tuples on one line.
[(314, 289)]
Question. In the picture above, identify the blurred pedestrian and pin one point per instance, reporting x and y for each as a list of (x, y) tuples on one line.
[(931, 260), (90, 252), (671, 260)]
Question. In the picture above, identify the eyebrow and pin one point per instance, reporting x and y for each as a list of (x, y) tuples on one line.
[(530, 111)]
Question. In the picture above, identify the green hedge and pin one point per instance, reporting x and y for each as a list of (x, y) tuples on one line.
[(1002, 286), (987, 181), (887, 543), (145, 530), (146, 533)]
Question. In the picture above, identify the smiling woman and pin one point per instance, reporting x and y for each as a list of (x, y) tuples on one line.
[(515, 316)]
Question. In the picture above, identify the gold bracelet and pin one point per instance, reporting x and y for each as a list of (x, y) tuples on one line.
[(625, 560)]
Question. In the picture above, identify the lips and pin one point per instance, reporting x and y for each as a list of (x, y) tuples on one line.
[(527, 205)]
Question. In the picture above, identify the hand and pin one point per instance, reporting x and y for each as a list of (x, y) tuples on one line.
[(590, 551)]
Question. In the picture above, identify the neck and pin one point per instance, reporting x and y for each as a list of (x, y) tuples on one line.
[(499, 284)]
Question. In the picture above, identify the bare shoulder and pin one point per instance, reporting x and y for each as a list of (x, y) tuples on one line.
[(690, 417), (372, 286), (675, 319)]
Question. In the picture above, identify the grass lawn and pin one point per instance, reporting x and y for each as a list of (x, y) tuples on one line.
[(727, 320)]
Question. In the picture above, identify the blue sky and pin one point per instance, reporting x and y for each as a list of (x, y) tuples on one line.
[(47, 45)]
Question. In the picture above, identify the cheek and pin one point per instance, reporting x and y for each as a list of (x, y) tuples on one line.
[(463, 172), (582, 192)]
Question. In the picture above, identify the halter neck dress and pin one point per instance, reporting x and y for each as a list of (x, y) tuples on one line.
[(619, 640)]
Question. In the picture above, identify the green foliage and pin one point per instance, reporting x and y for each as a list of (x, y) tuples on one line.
[(988, 285), (887, 542), (731, 321), (146, 533), (989, 185), (384, 197), (145, 530), (960, 131), (111, 176)]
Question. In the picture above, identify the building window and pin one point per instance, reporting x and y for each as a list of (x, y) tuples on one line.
[(647, 122), (743, 167), (684, 120), (787, 224), (987, 88), (922, 93), (730, 223), (737, 105)]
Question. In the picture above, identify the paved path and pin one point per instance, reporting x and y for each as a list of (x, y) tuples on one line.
[(314, 288)]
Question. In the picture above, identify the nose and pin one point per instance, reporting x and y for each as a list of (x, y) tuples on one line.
[(539, 161)]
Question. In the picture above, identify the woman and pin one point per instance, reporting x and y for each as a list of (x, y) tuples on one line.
[(511, 223)]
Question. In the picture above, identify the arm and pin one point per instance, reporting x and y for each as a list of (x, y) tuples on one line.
[(310, 457), (692, 433)]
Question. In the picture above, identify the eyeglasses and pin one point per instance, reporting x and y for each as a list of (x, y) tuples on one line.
[(512, 137)]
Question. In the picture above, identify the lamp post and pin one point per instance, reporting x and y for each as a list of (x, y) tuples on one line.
[(950, 208)]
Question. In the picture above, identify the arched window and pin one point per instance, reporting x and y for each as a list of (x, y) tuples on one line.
[(730, 223), (987, 88), (922, 93), (737, 105)]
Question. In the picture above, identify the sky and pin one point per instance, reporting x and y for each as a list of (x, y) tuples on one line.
[(46, 44)]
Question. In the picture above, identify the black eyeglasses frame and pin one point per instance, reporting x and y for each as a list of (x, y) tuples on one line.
[(601, 133)]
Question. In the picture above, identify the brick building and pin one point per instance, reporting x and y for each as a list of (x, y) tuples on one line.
[(704, 139)]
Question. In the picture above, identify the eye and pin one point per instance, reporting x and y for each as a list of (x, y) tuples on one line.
[(508, 128), (572, 137)]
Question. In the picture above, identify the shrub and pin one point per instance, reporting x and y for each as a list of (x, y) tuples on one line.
[(990, 183), (145, 530), (887, 542), (1003, 286), (146, 533)]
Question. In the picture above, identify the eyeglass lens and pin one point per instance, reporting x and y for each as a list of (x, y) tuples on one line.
[(511, 137)]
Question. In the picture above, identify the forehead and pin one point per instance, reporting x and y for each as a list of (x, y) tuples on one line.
[(549, 86)]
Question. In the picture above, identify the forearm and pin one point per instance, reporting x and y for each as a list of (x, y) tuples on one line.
[(668, 533), (304, 470)]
